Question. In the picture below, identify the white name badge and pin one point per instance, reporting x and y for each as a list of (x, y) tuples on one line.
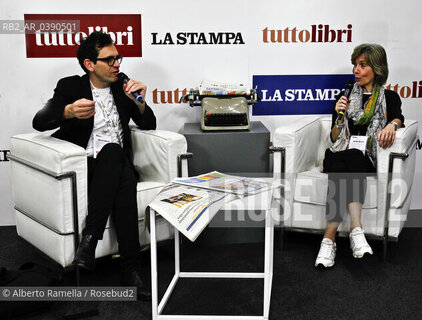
[(100, 140), (358, 142)]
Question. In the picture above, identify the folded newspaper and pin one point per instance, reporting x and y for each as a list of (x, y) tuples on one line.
[(189, 204), (219, 88)]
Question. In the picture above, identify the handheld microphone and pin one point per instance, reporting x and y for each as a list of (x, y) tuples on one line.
[(123, 77), (347, 91)]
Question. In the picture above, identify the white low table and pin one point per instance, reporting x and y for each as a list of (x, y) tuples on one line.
[(261, 201)]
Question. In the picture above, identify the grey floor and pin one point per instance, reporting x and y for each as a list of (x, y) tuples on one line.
[(368, 288)]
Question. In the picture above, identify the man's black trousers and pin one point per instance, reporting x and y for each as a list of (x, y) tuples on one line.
[(112, 192)]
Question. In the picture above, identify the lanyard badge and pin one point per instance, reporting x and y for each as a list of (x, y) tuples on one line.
[(110, 113)]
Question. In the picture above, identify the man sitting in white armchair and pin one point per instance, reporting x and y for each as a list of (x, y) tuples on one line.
[(93, 111)]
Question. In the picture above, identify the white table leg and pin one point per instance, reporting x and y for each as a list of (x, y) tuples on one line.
[(154, 286), (268, 261), (176, 252)]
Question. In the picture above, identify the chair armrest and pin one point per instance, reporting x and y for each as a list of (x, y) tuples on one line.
[(156, 154), (301, 141), (52, 154), (404, 141), (403, 166), (43, 169)]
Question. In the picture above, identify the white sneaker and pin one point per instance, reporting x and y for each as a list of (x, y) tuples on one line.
[(358, 243), (326, 254)]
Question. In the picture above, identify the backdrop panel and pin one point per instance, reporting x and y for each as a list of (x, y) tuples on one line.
[(184, 42)]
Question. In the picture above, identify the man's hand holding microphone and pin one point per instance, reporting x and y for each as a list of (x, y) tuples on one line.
[(85, 108)]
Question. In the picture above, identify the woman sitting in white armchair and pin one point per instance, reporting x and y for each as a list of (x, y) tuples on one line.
[(371, 115)]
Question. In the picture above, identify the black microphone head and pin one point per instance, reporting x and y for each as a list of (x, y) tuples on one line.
[(348, 88), (350, 83), (122, 77)]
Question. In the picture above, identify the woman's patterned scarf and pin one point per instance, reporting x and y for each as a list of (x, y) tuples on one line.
[(374, 114)]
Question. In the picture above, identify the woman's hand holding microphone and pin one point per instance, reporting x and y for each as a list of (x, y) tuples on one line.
[(341, 108)]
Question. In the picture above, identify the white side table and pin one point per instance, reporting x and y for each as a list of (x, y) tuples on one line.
[(261, 201)]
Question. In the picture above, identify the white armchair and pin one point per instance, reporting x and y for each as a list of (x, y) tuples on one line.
[(49, 182), (303, 144)]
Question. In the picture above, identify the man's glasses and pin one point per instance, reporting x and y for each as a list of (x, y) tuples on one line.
[(111, 60)]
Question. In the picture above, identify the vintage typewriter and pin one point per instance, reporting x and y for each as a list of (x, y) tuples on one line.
[(224, 106)]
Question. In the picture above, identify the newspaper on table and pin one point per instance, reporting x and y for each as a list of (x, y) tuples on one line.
[(189, 204), (217, 181)]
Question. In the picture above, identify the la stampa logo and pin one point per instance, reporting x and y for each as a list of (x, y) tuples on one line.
[(48, 41)]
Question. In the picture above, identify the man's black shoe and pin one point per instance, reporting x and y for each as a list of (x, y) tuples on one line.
[(132, 279), (85, 255)]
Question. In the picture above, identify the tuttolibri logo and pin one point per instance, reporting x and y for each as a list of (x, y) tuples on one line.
[(168, 96), (124, 29), (195, 38), (316, 34), (297, 94), (71, 39), (407, 91)]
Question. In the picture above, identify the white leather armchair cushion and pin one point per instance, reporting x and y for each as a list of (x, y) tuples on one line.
[(325, 140), (312, 187), (45, 198), (301, 140), (58, 247), (403, 170), (61, 247), (155, 159), (155, 154)]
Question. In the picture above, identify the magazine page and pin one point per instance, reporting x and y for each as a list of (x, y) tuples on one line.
[(215, 180), (189, 209)]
